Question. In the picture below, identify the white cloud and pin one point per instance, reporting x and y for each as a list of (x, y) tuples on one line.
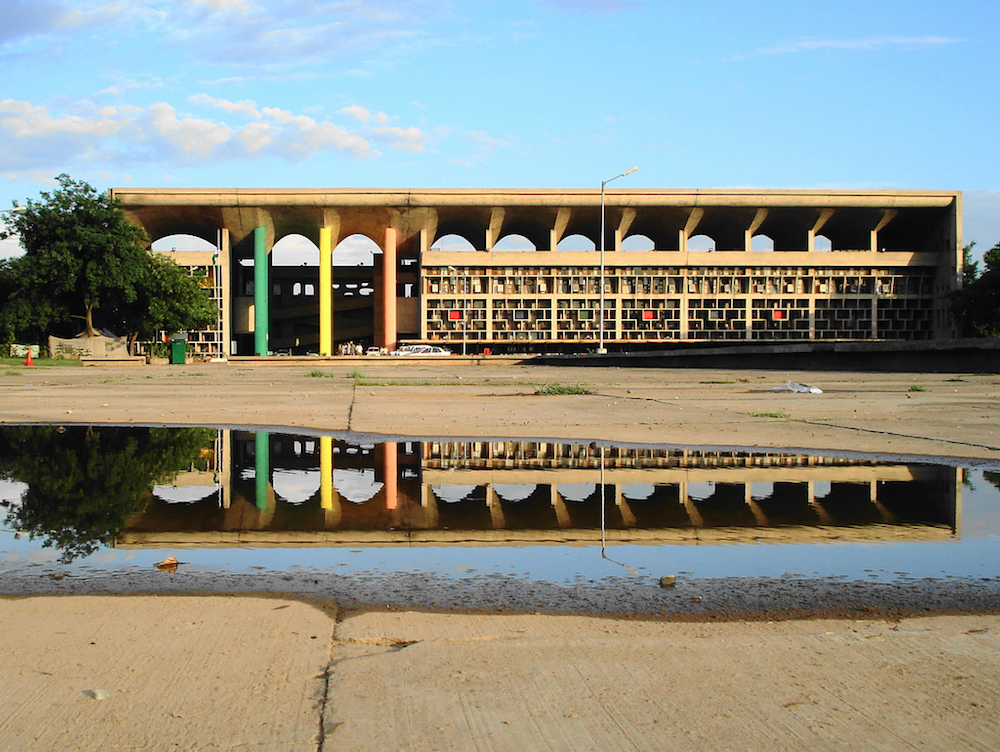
[(192, 136), (83, 135), (407, 139), (357, 111), (245, 106), (256, 136), (594, 6), (23, 119), (866, 44)]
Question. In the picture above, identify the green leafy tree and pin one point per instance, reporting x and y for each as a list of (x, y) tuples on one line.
[(85, 483), (970, 267), (169, 299), (977, 305), (86, 267)]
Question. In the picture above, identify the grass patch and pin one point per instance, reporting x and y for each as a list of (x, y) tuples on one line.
[(551, 389), (356, 375), (318, 374), (917, 388), (775, 414), (42, 361), (12, 372)]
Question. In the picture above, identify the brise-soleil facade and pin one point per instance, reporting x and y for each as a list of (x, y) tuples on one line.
[(678, 266)]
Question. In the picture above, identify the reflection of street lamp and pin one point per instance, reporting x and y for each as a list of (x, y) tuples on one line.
[(601, 349), (604, 540), (465, 287)]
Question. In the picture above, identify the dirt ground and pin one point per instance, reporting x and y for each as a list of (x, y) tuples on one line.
[(950, 415), (223, 672)]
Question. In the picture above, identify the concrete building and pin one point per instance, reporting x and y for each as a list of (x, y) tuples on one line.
[(678, 266)]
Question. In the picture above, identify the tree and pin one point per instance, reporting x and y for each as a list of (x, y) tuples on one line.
[(170, 299), (977, 305), (85, 262)]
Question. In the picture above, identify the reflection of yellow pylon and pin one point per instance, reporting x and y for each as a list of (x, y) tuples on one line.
[(28, 361)]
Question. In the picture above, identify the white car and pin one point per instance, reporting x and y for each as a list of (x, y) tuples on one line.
[(421, 350)]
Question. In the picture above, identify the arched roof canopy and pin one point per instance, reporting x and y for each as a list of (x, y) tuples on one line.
[(788, 227), (533, 224), (200, 221), (727, 226), (662, 227)]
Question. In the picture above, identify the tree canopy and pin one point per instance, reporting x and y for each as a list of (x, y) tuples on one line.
[(86, 267), (977, 305)]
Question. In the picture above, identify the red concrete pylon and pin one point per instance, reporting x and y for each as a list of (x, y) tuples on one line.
[(28, 361)]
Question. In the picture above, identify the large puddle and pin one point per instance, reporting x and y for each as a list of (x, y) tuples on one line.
[(512, 524)]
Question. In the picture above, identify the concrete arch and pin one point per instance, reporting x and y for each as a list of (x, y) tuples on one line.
[(470, 230), (638, 243), (515, 242), (295, 250), (182, 243), (702, 242), (453, 243), (576, 242), (356, 250)]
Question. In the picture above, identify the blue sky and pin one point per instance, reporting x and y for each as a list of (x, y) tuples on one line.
[(519, 93)]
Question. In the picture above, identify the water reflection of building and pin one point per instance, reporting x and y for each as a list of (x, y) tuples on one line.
[(278, 489)]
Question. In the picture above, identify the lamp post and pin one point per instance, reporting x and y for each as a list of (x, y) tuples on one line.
[(601, 349)]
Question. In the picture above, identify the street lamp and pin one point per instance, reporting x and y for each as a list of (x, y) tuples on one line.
[(601, 349)]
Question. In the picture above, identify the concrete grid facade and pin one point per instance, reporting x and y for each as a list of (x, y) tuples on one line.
[(839, 265)]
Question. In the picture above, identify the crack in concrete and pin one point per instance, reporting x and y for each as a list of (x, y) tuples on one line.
[(900, 435), (325, 696), (350, 409)]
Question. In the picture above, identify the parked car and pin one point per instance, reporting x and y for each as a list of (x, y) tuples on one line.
[(373, 350), (421, 350)]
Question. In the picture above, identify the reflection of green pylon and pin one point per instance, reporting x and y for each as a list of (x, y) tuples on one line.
[(262, 467)]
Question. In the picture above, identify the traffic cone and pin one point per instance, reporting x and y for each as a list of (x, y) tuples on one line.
[(28, 361)]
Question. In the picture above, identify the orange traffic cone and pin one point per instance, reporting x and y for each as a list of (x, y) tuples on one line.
[(28, 361)]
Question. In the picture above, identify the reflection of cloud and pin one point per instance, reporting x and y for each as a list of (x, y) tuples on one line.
[(452, 492), (514, 492), (701, 490), (357, 485), (637, 491), (576, 491), (761, 490), (11, 492), (295, 486), (183, 494)]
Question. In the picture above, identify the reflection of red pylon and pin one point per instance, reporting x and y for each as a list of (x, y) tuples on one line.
[(28, 361)]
